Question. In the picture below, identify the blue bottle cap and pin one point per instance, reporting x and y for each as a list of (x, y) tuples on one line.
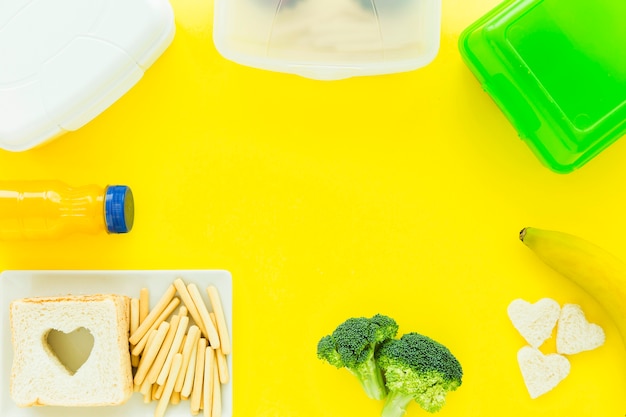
[(119, 209)]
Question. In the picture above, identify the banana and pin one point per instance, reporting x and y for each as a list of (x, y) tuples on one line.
[(598, 272)]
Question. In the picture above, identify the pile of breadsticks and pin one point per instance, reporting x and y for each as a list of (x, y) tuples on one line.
[(180, 355)]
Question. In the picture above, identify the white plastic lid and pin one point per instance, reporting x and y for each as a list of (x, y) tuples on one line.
[(329, 39), (63, 62)]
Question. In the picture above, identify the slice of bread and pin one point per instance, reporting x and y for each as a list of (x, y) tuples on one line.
[(535, 322), (574, 333), (37, 375), (541, 373)]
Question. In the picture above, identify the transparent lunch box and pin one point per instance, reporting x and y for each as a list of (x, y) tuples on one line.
[(329, 39)]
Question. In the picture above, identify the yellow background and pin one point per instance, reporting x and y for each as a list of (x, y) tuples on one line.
[(400, 194)]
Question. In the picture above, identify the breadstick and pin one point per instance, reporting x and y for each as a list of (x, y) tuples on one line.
[(189, 303), (140, 387), (212, 335), (159, 390), (153, 350), (155, 388), (147, 397), (134, 324), (149, 339), (178, 339), (144, 304), (134, 315), (159, 361), (169, 386), (209, 366), (222, 362), (182, 311), (217, 395), (192, 340), (153, 315), (185, 391), (146, 388), (162, 317), (220, 318), (138, 349), (222, 366), (196, 391)]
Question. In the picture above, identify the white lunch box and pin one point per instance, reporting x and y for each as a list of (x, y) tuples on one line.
[(63, 62)]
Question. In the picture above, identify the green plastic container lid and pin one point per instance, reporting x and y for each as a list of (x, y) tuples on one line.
[(557, 69)]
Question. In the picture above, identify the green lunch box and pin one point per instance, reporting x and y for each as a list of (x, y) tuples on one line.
[(557, 69)]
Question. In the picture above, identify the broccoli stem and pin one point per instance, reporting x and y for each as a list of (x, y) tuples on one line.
[(396, 403), (371, 378)]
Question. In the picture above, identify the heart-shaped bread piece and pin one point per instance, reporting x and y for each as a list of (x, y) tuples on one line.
[(574, 333), (72, 349), (534, 322), (541, 372)]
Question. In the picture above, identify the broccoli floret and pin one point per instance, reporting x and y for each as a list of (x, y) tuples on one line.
[(327, 350), (353, 344), (417, 368)]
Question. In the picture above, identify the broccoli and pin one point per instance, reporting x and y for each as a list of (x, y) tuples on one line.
[(417, 368), (353, 345)]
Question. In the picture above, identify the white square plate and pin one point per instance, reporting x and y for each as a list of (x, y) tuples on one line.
[(21, 284)]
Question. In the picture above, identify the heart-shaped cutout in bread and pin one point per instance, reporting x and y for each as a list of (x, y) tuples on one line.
[(574, 333), (534, 322), (541, 372), (70, 350)]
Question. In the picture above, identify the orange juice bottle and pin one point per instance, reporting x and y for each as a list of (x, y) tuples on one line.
[(52, 209)]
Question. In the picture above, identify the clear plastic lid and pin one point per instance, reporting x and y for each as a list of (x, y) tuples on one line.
[(329, 39)]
